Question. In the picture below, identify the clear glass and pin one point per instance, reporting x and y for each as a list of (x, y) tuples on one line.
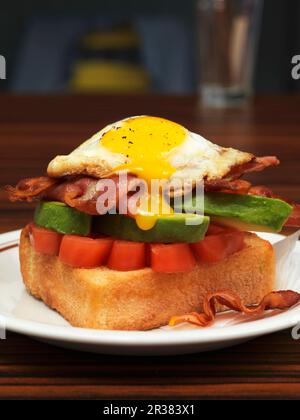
[(228, 32)]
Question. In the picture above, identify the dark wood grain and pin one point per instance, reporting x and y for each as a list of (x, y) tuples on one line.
[(32, 131)]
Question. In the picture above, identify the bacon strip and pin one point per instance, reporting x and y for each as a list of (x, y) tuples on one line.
[(80, 193), (261, 190), (231, 181), (32, 188), (276, 300), (238, 186), (29, 189), (257, 164), (84, 192)]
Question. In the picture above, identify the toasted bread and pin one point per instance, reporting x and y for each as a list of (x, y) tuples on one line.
[(101, 298)]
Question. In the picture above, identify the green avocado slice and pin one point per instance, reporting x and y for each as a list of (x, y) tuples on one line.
[(62, 218), (188, 228), (246, 212)]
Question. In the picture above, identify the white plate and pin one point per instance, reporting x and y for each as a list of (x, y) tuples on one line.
[(23, 314)]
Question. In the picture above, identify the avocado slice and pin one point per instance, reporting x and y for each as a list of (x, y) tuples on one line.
[(62, 218), (169, 229), (245, 212)]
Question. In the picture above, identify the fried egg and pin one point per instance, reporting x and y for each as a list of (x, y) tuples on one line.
[(151, 148)]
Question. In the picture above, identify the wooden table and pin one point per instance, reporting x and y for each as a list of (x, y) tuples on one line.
[(32, 131)]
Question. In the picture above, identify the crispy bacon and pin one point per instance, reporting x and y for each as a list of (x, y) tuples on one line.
[(276, 300), (84, 192), (257, 164), (33, 188), (238, 186), (232, 183), (80, 193), (29, 189), (262, 191)]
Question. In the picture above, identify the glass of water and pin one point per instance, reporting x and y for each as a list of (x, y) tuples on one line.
[(228, 32)]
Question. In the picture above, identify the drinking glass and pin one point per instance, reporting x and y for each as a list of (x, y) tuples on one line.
[(228, 31)]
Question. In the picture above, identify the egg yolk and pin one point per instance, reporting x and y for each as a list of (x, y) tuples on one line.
[(146, 142)]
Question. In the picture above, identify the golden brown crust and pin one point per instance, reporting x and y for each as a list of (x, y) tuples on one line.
[(140, 300)]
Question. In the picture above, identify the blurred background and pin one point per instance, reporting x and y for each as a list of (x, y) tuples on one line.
[(74, 66), (130, 46)]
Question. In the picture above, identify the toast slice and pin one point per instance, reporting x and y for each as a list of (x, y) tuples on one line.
[(101, 298)]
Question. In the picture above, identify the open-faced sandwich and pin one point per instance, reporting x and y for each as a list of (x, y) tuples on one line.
[(124, 238)]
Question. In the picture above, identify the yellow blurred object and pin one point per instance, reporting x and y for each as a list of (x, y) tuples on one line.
[(109, 62), (108, 76), (123, 37)]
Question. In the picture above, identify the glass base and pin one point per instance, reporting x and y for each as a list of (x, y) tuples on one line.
[(223, 97)]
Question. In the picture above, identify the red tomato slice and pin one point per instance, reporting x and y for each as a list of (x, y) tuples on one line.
[(217, 229), (172, 258), (294, 218), (82, 252), (127, 256), (45, 241), (215, 248), (214, 229)]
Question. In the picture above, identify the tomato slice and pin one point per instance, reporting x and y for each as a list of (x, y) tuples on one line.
[(215, 248), (45, 241), (172, 258), (214, 229), (217, 229), (83, 252), (127, 256), (294, 218)]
